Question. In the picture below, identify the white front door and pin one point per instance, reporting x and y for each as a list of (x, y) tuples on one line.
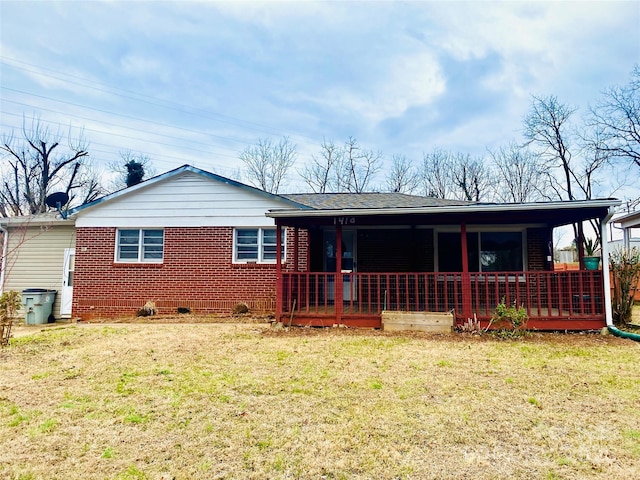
[(66, 295)]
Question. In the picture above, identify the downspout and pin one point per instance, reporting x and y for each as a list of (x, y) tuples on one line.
[(279, 280), (5, 245), (608, 312)]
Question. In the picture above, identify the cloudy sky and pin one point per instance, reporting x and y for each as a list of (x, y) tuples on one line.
[(196, 82)]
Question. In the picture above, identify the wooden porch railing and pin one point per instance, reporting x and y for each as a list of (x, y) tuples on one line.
[(546, 295)]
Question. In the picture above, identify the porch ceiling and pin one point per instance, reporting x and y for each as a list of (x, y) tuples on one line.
[(551, 214)]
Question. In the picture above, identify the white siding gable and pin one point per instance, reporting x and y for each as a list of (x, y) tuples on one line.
[(184, 200)]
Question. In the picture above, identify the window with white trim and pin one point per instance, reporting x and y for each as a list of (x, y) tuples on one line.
[(140, 245), (256, 245)]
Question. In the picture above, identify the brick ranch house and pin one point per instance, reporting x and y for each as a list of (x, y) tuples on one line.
[(189, 238), (186, 238)]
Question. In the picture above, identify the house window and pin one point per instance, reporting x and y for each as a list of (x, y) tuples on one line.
[(140, 245), (500, 252), (256, 245), (486, 252)]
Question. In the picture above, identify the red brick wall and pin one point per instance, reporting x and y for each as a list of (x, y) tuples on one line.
[(197, 272), (537, 248)]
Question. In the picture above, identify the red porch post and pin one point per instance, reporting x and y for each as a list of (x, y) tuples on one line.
[(295, 249), (279, 285), (338, 294), (466, 278)]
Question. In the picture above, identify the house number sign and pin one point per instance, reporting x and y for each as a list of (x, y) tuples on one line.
[(344, 220)]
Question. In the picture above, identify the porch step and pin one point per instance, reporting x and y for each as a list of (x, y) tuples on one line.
[(417, 321)]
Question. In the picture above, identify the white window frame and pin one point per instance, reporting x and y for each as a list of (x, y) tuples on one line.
[(140, 258), (260, 256)]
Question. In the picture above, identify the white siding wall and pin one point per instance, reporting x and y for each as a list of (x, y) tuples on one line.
[(35, 258), (186, 200)]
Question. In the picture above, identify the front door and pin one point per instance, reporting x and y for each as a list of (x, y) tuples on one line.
[(66, 295), (348, 261)]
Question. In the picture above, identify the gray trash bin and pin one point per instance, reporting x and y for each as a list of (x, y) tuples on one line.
[(38, 303)]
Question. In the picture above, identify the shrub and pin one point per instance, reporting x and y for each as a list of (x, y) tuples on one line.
[(625, 268), (240, 308), (10, 302), (510, 320)]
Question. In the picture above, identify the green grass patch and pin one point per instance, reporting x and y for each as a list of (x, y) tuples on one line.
[(107, 453)]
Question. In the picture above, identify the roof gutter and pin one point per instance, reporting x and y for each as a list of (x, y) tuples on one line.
[(482, 207), (608, 310)]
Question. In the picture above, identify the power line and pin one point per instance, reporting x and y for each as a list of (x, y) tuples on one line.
[(130, 117), (153, 156), (68, 114), (129, 137), (142, 98)]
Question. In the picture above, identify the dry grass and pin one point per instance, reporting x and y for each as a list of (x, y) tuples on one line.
[(244, 401)]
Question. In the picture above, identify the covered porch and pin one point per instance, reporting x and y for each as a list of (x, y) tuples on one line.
[(347, 266)]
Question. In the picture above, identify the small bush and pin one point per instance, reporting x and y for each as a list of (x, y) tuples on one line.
[(10, 302), (625, 269), (511, 320), (240, 309)]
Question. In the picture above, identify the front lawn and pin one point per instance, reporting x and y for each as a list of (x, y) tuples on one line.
[(245, 401)]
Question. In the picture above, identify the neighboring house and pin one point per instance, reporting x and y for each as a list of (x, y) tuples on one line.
[(187, 238), (373, 252), (630, 225), (38, 253)]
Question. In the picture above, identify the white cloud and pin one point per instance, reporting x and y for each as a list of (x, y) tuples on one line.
[(406, 81), (398, 75)]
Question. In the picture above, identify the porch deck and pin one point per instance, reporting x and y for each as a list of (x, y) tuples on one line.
[(553, 300)]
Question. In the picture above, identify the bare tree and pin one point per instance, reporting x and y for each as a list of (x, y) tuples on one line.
[(455, 176), (547, 127), (267, 164), (616, 118), (320, 175), (403, 176), (434, 174), (132, 169), (472, 177), (37, 165), (519, 174), (345, 168), (359, 166), (92, 188)]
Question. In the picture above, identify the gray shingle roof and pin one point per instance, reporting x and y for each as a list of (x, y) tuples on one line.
[(339, 201)]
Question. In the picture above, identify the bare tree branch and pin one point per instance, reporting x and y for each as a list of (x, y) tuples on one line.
[(455, 176), (403, 176), (36, 166), (616, 118), (520, 175), (546, 126), (361, 165), (267, 164), (319, 174)]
